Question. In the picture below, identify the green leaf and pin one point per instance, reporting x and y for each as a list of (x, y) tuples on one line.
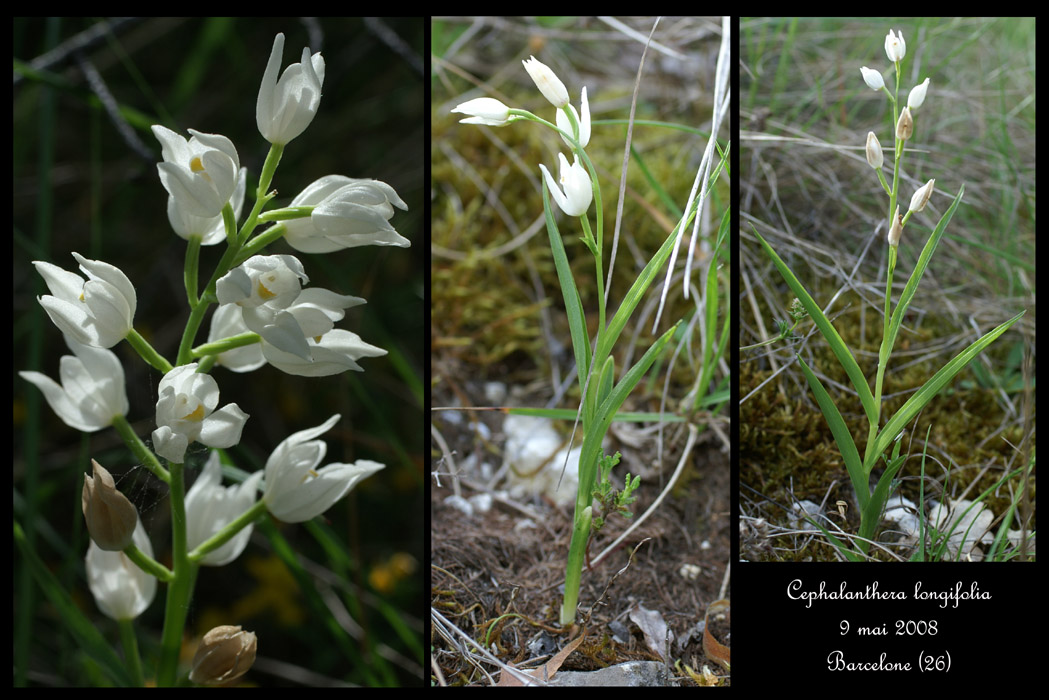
[(930, 389), (573, 306), (607, 339), (870, 514), (919, 270), (842, 436), (607, 410), (837, 345)]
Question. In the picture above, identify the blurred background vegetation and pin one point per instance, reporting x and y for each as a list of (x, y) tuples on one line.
[(86, 181), (806, 186)]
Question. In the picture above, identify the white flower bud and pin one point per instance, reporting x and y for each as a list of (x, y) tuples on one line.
[(484, 110), (110, 516), (225, 654), (872, 78), (874, 154), (548, 83), (921, 197), (905, 125), (917, 94), (896, 230)]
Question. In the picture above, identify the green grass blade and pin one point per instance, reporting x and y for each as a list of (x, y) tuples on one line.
[(622, 417), (919, 270), (89, 639), (607, 339), (932, 387), (870, 516), (837, 345), (607, 410), (842, 436), (573, 306)]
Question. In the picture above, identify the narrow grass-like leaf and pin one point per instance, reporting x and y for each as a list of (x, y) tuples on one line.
[(573, 306), (90, 640), (870, 515), (842, 436), (838, 544), (633, 297), (929, 390), (607, 410), (837, 345), (919, 270)]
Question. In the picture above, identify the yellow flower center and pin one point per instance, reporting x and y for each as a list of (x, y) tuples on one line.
[(264, 292), (196, 166), (196, 415)]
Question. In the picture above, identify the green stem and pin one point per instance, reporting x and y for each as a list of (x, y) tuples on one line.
[(139, 449), (574, 570), (189, 273), (221, 346), (147, 352), (148, 564), (130, 643), (227, 533), (180, 589), (256, 244)]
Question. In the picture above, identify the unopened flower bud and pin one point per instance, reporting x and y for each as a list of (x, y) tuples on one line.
[(874, 154), (548, 83), (484, 110), (917, 94), (225, 654), (905, 125), (921, 197), (872, 78), (110, 516), (896, 230)]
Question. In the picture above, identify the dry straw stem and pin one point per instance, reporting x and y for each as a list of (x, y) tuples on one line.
[(807, 188)]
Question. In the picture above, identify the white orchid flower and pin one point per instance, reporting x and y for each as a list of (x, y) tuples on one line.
[(210, 506), (264, 287), (582, 118), (92, 392), (296, 490), (200, 173), (186, 413), (333, 353), (98, 311), (287, 106), (348, 213), (895, 46), (484, 110), (575, 199), (226, 322), (121, 590), (211, 230)]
